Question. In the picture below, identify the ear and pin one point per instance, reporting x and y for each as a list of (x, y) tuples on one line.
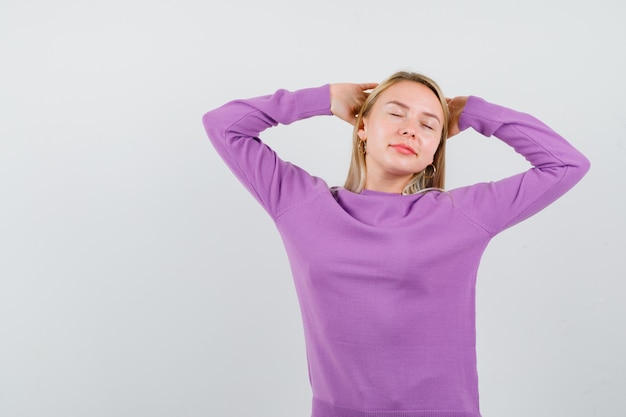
[(361, 132)]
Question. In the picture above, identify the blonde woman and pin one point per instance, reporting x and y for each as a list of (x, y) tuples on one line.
[(385, 267)]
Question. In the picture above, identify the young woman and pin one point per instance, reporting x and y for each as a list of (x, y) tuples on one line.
[(385, 267)]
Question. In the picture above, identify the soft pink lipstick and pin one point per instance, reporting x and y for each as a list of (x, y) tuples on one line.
[(403, 149)]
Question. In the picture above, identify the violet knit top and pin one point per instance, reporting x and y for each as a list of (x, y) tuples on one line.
[(386, 282)]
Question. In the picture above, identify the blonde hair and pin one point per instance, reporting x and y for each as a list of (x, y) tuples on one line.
[(420, 181)]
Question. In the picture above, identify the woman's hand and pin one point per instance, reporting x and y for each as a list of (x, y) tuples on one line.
[(456, 106), (346, 99)]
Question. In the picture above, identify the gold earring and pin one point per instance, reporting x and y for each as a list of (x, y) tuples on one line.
[(362, 146), (432, 174)]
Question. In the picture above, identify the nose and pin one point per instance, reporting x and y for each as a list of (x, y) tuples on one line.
[(408, 131)]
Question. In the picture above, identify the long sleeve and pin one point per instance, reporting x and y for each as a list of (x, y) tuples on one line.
[(556, 167), (386, 282), (234, 130)]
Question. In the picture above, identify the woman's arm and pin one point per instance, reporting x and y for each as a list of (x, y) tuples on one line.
[(557, 165), (234, 130)]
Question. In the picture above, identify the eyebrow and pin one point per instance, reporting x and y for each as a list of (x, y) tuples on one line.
[(405, 107)]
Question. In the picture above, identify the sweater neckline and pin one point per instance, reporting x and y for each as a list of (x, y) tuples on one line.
[(380, 193)]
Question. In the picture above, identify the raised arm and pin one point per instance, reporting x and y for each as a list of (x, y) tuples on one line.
[(557, 166), (234, 130)]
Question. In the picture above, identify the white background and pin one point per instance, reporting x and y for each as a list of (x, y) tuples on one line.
[(138, 277)]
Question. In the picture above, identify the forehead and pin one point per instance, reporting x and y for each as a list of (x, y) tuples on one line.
[(412, 94)]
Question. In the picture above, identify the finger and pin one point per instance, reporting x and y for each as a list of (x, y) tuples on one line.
[(367, 86)]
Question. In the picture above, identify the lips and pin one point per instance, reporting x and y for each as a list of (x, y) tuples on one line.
[(403, 149)]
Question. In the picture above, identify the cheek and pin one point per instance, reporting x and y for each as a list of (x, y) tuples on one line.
[(433, 148)]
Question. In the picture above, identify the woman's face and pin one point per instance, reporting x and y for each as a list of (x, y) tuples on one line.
[(402, 132)]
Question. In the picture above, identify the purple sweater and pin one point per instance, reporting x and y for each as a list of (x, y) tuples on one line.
[(386, 283)]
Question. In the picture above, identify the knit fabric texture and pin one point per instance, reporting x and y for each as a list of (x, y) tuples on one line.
[(386, 282)]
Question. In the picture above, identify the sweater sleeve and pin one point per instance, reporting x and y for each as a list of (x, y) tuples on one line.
[(234, 130), (556, 167)]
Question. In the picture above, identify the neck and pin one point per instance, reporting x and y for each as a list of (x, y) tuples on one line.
[(386, 185)]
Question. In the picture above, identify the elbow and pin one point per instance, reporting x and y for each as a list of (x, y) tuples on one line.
[(210, 121), (586, 165), (583, 165), (576, 171), (207, 120)]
